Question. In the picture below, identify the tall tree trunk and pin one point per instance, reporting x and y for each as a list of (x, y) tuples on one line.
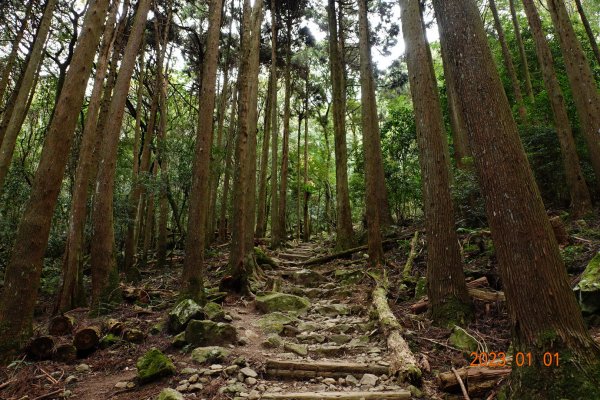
[(285, 149), (306, 236), (193, 268), (139, 191), (508, 63), (148, 231), (275, 234), (588, 30), (217, 169), (298, 181), (20, 109), (261, 215), (12, 56), (229, 149), (104, 268), (543, 311), (371, 141), (446, 288), (522, 54), (241, 258), (163, 202), (344, 233), (581, 79), (23, 272), (71, 293), (580, 196)]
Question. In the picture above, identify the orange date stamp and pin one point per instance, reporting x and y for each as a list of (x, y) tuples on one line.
[(494, 359)]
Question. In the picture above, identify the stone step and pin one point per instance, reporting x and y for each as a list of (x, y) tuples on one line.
[(392, 395)]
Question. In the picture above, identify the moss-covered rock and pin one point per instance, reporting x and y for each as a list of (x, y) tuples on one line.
[(462, 340), (274, 322), (588, 288), (158, 328), (153, 365), (179, 340), (210, 354), (170, 394), (307, 277), (263, 259), (281, 302), (214, 312), (210, 333), (333, 310), (182, 313), (348, 276)]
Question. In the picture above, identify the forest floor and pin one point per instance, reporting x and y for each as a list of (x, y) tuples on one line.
[(339, 326)]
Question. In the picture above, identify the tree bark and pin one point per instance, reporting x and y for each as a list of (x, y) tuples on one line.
[(446, 288), (580, 196), (581, 79), (229, 150), (371, 142), (522, 54), (285, 149), (306, 217), (543, 311), (104, 269), (20, 109), (71, 294), (261, 214), (508, 63), (588, 30), (344, 232), (23, 272), (193, 268), (241, 258), (12, 56), (275, 234)]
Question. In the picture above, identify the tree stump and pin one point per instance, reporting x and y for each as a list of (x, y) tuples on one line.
[(61, 325), (64, 352), (41, 347), (87, 338)]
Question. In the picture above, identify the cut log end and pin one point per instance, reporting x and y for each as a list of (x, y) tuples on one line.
[(60, 325), (87, 338), (41, 347)]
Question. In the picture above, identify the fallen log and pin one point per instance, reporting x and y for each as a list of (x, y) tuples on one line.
[(41, 347), (61, 325), (308, 370), (329, 257), (87, 338), (64, 352), (395, 395), (478, 380), (403, 361), (478, 294)]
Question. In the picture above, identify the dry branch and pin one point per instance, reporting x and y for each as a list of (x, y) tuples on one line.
[(477, 380), (479, 294), (403, 361), (345, 253)]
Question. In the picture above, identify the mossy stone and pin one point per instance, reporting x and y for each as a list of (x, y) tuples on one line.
[(214, 312), (348, 276), (210, 333), (170, 394), (109, 340), (182, 313), (274, 322), (462, 340), (588, 288), (263, 259), (153, 365), (211, 354), (281, 302), (179, 340)]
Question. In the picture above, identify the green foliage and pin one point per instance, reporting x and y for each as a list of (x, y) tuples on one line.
[(401, 159), (467, 198)]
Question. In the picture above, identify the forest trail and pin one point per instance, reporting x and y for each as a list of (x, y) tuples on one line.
[(332, 350)]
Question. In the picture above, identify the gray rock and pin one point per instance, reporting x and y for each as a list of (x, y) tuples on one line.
[(272, 342), (340, 339), (301, 350), (82, 368), (369, 380), (208, 333), (249, 372), (182, 313), (281, 302), (274, 322), (210, 354), (250, 381), (154, 364), (351, 379)]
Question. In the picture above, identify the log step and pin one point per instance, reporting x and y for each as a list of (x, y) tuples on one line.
[(395, 395), (294, 256), (326, 369)]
